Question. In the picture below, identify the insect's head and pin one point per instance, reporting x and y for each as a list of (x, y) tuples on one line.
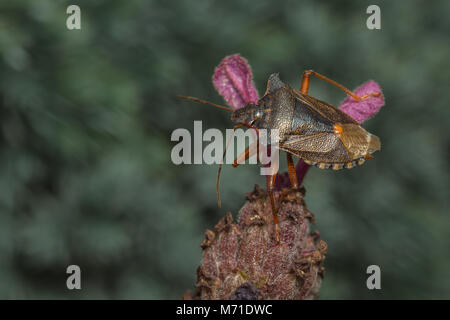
[(247, 114)]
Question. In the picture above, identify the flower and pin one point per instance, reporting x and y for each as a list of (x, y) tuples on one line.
[(363, 110), (233, 80)]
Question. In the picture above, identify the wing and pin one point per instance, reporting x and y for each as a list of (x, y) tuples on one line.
[(324, 109), (319, 147), (324, 136)]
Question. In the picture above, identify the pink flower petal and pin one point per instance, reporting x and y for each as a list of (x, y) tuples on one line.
[(233, 80), (363, 110)]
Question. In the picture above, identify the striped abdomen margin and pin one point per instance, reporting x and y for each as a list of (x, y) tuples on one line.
[(336, 166)]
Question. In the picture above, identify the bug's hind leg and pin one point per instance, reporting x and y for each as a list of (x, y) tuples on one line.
[(305, 86), (293, 179), (292, 172)]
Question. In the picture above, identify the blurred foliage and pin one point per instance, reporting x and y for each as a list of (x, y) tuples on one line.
[(86, 117)]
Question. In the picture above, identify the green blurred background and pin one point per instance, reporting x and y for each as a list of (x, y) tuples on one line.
[(86, 118)]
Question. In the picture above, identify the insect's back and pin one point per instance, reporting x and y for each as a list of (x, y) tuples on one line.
[(277, 111), (326, 137), (313, 130)]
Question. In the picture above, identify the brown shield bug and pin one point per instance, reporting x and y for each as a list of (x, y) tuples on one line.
[(313, 130)]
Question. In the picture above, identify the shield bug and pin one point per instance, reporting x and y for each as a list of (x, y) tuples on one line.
[(315, 131)]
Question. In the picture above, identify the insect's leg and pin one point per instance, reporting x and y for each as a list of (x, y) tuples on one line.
[(251, 150), (246, 154), (305, 86), (219, 171), (291, 170), (270, 184), (292, 178)]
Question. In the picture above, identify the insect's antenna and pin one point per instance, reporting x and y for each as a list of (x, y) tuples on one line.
[(219, 204), (205, 102)]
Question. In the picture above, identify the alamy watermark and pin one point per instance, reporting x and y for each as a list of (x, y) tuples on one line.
[(262, 147), (374, 280), (374, 20), (73, 21), (74, 279)]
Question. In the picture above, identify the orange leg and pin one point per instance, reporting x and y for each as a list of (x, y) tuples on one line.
[(249, 151), (270, 184), (292, 178), (291, 170), (305, 86), (242, 157)]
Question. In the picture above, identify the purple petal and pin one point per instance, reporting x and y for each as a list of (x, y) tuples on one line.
[(363, 110), (233, 80)]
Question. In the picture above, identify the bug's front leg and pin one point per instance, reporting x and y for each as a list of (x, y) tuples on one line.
[(250, 151)]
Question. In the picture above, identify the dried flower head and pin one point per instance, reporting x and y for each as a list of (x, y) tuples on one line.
[(243, 261)]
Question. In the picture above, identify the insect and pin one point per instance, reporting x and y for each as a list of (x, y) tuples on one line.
[(310, 129)]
